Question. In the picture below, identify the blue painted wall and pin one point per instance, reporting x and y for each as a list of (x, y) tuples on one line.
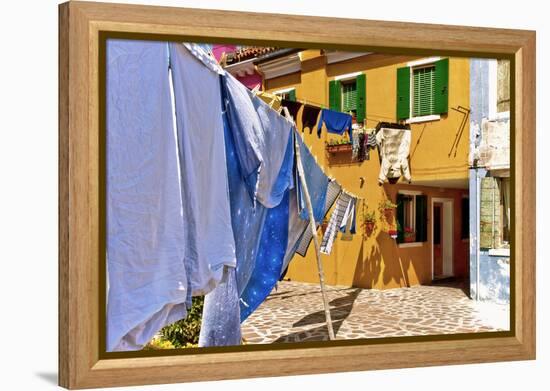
[(493, 283)]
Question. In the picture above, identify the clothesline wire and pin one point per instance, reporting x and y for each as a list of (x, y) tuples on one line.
[(373, 117)]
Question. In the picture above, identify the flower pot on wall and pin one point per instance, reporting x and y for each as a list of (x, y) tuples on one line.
[(369, 227), (389, 213)]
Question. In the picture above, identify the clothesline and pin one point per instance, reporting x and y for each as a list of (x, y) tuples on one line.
[(374, 117), (329, 176)]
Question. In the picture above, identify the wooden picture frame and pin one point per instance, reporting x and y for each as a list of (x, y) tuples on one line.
[(82, 29)]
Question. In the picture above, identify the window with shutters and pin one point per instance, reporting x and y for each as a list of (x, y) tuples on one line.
[(349, 96), (423, 90), (347, 93), (288, 94), (412, 218), (423, 93)]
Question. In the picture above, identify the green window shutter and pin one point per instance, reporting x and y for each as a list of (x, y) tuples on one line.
[(441, 93), (361, 104), (292, 95), (403, 92), (400, 218), (423, 91), (421, 218), (335, 95), (349, 96), (465, 218)]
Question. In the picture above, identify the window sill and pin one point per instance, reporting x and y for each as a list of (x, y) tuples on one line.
[(410, 244), (425, 118), (499, 252)]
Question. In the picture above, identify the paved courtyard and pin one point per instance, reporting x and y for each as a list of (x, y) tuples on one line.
[(294, 313)]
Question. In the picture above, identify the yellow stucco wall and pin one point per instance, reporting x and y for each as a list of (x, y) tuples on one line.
[(377, 261)]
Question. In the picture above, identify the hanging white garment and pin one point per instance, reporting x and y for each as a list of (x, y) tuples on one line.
[(209, 242), (394, 152), (338, 219), (145, 232)]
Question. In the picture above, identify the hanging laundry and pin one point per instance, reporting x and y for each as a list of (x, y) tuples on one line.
[(296, 228), (261, 137), (147, 280), (269, 261), (221, 320), (248, 218), (369, 142), (394, 151), (293, 108), (247, 221), (349, 225), (335, 122), (204, 183), (272, 100), (309, 117), (337, 219), (333, 191), (357, 145), (316, 181)]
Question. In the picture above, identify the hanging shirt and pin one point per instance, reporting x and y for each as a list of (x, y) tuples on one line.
[(394, 151), (337, 219), (293, 108), (205, 194), (335, 122), (309, 117), (261, 138), (147, 280), (316, 181)]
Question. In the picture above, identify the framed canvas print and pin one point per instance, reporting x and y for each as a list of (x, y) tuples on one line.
[(244, 196)]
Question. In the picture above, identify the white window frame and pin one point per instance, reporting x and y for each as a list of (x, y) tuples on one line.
[(422, 63), (283, 91), (413, 194)]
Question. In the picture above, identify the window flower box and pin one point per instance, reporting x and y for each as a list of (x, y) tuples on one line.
[(338, 148), (409, 235)]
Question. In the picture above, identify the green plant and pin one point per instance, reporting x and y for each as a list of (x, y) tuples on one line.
[(159, 344), (387, 204), (370, 217), (185, 332)]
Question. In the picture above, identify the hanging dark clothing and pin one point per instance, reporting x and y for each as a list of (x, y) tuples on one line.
[(335, 122), (369, 142), (293, 107), (309, 117)]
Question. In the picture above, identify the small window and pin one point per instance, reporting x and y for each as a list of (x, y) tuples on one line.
[(287, 94), (411, 218), (349, 96), (423, 91)]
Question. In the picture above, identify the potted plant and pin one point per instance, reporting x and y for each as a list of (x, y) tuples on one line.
[(369, 222), (388, 208), (393, 233)]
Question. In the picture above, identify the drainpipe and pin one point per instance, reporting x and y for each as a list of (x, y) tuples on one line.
[(478, 213)]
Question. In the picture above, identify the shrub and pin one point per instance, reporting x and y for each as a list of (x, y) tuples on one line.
[(185, 332)]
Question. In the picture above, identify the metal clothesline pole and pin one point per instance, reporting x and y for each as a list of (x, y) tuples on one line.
[(315, 239)]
